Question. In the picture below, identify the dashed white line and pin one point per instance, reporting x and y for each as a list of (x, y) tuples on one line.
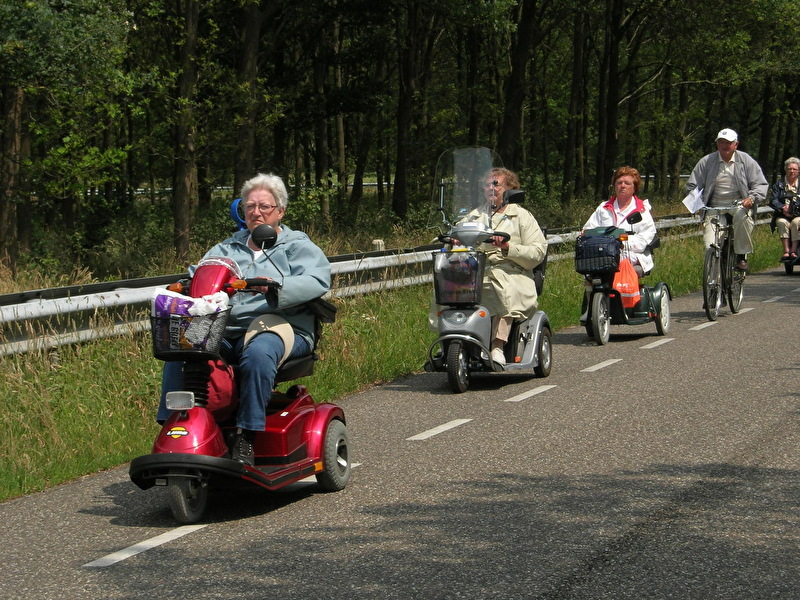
[(533, 392), (745, 310), (656, 343), (121, 555), (601, 365), (702, 326), (437, 430), (774, 299)]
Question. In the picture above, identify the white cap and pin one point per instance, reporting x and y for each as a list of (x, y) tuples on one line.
[(728, 135)]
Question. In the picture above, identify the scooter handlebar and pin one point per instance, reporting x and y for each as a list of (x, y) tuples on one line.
[(262, 282)]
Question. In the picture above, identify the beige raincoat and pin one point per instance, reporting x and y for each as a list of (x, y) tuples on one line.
[(508, 286)]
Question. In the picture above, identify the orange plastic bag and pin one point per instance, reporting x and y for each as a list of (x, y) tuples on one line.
[(626, 282)]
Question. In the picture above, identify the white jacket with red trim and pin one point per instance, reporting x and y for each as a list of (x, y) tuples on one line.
[(644, 232)]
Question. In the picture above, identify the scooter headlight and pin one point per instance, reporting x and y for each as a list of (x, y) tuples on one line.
[(179, 400), (457, 318)]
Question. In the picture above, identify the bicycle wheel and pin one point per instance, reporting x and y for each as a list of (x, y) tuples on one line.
[(734, 280), (712, 281)]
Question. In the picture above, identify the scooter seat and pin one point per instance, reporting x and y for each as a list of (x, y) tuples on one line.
[(295, 368)]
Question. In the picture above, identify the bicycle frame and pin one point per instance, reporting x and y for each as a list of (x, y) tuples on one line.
[(721, 280)]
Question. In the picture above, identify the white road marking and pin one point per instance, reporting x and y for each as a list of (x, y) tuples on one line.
[(437, 430), (174, 534), (745, 310), (656, 343), (797, 290), (703, 326), (533, 392), (601, 365), (121, 555), (774, 299)]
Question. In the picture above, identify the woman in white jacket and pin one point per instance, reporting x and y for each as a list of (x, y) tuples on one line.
[(614, 212)]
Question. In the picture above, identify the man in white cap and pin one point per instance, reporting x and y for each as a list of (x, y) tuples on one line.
[(725, 177)]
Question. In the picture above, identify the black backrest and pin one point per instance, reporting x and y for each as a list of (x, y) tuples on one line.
[(540, 270)]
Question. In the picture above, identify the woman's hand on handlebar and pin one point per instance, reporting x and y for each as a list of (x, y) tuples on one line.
[(262, 285), (500, 241)]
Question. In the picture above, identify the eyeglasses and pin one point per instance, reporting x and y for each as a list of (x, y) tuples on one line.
[(262, 208)]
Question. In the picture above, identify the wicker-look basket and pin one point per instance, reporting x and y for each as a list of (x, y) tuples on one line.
[(181, 337)]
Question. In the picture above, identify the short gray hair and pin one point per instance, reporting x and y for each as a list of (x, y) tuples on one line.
[(267, 181), (791, 160)]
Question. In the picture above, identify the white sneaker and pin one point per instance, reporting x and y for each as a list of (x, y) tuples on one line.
[(498, 357)]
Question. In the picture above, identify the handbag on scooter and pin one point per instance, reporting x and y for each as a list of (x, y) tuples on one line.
[(626, 282)]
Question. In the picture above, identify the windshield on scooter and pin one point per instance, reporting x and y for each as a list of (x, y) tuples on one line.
[(463, 192)]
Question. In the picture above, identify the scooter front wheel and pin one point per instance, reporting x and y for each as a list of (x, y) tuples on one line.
[(663, 320), (601, 319), (457, 367), (188, 497)]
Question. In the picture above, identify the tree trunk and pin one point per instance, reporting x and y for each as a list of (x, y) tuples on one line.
[(576, 104), (608, 102), (184, 194), (13, 98), (253, 17), (407, 85), (508, 145)]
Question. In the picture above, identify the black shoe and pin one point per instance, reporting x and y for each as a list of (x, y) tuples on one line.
[(243, 447), (741, 263)]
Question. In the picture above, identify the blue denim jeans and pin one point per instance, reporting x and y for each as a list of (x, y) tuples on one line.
[(258, 364)]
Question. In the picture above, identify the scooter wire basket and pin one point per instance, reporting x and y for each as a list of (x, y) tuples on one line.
[(183, 337), (458, 277)]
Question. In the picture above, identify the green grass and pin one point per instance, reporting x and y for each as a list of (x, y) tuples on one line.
[(91, 407)]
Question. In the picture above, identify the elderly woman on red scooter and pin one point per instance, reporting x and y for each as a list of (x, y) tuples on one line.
[(305, 274), (614, 212)]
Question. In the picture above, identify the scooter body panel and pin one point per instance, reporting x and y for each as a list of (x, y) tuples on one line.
[(191, 432), (473, 321), (529, 333)]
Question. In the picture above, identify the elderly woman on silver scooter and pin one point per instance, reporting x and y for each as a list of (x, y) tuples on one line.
[(509, 290)]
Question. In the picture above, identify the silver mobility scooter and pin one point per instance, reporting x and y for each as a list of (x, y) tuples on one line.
[(465, 326)]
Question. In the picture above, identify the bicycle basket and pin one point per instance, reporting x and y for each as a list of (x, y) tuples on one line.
[(183, 337), (597, 254)]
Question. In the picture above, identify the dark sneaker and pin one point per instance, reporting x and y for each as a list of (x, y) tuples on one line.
[(743, 265), (243, 448)]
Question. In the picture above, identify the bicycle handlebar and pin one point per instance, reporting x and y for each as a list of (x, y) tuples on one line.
[(722, 208)]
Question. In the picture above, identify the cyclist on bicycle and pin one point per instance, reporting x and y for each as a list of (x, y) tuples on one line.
[(726, 177)]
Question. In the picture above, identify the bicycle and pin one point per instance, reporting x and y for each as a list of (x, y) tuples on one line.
[(722, 280)]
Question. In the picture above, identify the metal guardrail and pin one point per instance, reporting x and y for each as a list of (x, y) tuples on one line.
[(47, 303)]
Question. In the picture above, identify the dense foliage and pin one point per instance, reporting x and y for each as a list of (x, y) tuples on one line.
[(116, 108)]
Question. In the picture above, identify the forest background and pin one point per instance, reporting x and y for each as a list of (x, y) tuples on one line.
[(128, 125)]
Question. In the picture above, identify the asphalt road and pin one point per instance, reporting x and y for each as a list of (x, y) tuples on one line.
[(670, 472)]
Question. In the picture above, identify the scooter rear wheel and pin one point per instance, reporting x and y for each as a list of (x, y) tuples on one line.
[(457, 367), (188, 497), (545, 354), (335, 458)]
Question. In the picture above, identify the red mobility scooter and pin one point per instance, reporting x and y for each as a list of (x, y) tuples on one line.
[(191, 452)]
